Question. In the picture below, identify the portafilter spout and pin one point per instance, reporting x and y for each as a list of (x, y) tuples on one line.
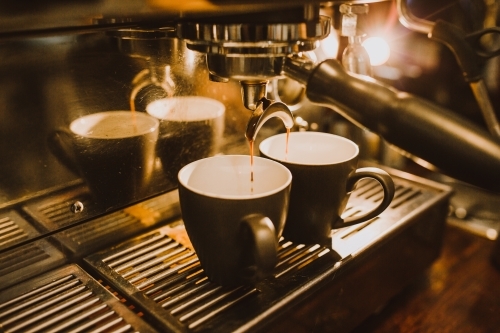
[(265, 110), (454, 145)]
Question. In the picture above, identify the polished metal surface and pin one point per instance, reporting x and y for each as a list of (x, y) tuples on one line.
[(252, 52), (254, 38), (252, 92)]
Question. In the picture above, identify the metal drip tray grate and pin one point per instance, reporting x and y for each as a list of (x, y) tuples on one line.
[(161, 273), (54, 211), (65, 300), (170, 280), (99, 232), (14, 229), (25, 261)]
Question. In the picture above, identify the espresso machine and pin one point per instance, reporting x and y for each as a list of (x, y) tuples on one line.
[(71, 261)]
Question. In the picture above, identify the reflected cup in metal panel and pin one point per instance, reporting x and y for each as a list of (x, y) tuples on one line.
[(234, 222), (113, 151), (324, 169), (191, 128)]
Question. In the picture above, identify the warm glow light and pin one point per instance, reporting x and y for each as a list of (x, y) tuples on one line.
[(378, 50), (329, 46)]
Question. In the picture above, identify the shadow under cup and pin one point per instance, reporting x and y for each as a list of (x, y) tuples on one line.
[(234, 223), (191, 128), (324, 170)]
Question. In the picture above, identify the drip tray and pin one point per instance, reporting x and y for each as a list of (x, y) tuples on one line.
[(66, 300), (161, 273)]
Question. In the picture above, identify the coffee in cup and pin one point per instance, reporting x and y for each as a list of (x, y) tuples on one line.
[(324, 170), (191, 128), (234, 223), (113, 151)]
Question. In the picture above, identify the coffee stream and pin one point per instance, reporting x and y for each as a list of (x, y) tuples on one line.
[(132, 108), (252, 144), (286, 144), (251, 159)]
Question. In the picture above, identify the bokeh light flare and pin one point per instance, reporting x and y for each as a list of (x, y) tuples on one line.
[(378, 50)]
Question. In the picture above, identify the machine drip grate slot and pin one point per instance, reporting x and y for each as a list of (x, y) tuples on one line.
[(364, 186), (65, 301), (54, 210), (370, 193), (351, 211), (358, 228), (22, 262), (60, 214), (102, 227), (373, 194), (21, 257), (14, 229), (142, 253), (10, 232), (292, 256), (404, 195)]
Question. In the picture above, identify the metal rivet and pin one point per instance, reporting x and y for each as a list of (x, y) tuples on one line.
[(77, 207), (461, 213)]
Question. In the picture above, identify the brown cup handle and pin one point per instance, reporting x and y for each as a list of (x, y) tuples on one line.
[(59, 142), (387, 184), (259, 247)]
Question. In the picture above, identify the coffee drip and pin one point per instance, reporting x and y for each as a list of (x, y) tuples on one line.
[(265, 110)]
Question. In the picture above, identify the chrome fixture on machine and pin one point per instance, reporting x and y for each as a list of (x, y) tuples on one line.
[(254, 52), (354, 58), (159, 48)]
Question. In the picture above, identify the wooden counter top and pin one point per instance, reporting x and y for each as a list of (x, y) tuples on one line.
[(459, 293)]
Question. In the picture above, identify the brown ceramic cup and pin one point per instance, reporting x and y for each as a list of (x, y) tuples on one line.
[(325, 171), (235, 223)]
